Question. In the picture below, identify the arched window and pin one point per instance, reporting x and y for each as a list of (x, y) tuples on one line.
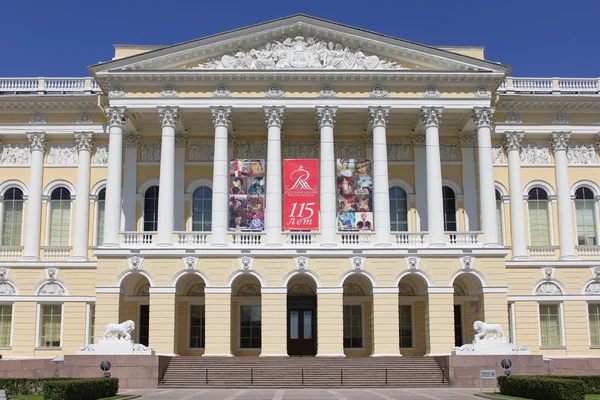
[(60, 217), (585, 216), (12, 217), (499, 217), (100, 213), (539, 217), (202, 209), (449, 198), (398, 210), (151, 209)]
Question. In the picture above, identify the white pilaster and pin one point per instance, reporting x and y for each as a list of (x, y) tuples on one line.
[(418, 140), (274, 120), (512, 144), (84, 142), (180, 209), (482, 116), (467, 144), (559, 142), (31, 251), (381, 196), (431, 118), (116, 117), (169, 117), (222, 120), (130, 142), (326, 118)]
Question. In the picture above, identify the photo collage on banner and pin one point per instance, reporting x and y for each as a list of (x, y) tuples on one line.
[(354, 194), (247, 191)]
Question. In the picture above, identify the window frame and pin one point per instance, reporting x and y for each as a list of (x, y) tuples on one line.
[(97, 220), (412, 325), (89, 325), (444, 208), (407, 206), (588, 304), (192, 221), (49, 215), (561, 324), (2, 211), (143, 207), (362, 325), (12, 324), (249, 304), (189, 321), (39, 324), (595, 215), (500, 202), (549, 213)]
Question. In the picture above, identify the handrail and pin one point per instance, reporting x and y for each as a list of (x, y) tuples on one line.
[(42, 85)]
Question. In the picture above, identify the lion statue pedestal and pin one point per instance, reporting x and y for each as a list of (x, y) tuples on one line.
[(117, 341), (489, 340)]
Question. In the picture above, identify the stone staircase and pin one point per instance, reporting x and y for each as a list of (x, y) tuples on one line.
[(297, 372)]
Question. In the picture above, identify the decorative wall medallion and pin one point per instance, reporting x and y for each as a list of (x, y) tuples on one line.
[(190, 262), (135, 263), (222, 91), (116, 92), (596, 272), (357, 263), (581, 154), (201, 150), (295, 149), (399, 151), (301, 263), (467, 262), (62, 154), (378, 92), (327, 91), (347, 149), (249, 289), (593, 288), (548, 272), (150, 151), (404, 289), (513, 118), (431, 93), (196, 289), (7, 289), (353, 289), (498, 155), (169, 92), (3, 273), (15, 154), (274, 91), (51, 273), (101, 154), (37, 119), (246, 262), (412, 263), (84, 118), (535, 154), (51, 289), (548, 289), (560, 119), (483, 93), (448, 151), (251, 149)]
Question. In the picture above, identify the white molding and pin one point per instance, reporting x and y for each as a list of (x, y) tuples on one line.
[(49, 299), (330, 290), (162, 290), (544, 130), (440, 289), (492, 289), (558, 298), (116, 290), (53, 130), (217, 290), (393, 290), (14, 183), (273, 290)]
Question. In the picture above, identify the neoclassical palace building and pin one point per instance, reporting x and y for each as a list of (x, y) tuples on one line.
[(299, 187)]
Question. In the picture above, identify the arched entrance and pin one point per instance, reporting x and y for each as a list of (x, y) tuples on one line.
[(412, 305), (301, 316), (467, 307), (246, 316), (136, 306), (190, 327), (357, 319)]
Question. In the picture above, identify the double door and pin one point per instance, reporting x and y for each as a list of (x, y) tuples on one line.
[(302, 327)]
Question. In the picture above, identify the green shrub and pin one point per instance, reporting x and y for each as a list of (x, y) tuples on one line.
[(591, 383), (542, 387), (81, 389), (20, 386)]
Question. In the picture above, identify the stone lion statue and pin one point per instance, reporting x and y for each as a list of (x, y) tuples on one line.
[(119, 331), (483, 329)]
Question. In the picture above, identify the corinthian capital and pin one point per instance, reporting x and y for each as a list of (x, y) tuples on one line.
[(326, 116), (221, 116), (116, 116), (512, 140), (483, 116), (431, 116), (274, 115), (467, 139), (418, 139), (379, 116), (598, 143), (131, 140), (84, 141), (181, 140), (37, 141), (559, 140), (168, 116)]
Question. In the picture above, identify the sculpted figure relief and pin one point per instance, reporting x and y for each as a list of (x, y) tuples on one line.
[(483, 329), (120, 331), (300, 52)]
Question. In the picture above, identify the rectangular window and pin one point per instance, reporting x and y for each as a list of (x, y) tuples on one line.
[(144, 329), (538, 223), (353, 327), (406, 339), (197, 327), (250, 327), (100, 223), (586, 224), (91, 319), (594, 321), (12, 223), (50, 325), (499, 221), (5, 324), (60, 222), (550, 325)]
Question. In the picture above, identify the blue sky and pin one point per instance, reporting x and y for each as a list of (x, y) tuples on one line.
[(534, 37)]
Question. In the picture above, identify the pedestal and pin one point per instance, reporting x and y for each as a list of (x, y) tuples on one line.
[(490, 346), (116, 347)]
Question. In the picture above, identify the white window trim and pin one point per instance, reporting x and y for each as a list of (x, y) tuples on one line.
[(189, 221), (356, 301), (12, 325), (561, 324), (88, 325), (247, 301), (595, 210), (412, 325), (587, 312), (138, 320), (189, 323), (550, 220), (2, 216), (96, 219), (38, 324), (48, 202), (141, 200), (512, 319)]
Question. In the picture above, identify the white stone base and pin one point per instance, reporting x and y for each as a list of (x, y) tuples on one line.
[(490, 346), (116, 347)]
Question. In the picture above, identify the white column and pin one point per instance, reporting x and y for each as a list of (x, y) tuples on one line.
[(482, 116), (116, 119), (467, 143), (512, 144), (381, 196), (560, 142), (431, 118), (84, 142), (130, 145), (222, 120), (169, 118), (418, 140), (274, 119), (326, 118), (37, 142), (180, 210)]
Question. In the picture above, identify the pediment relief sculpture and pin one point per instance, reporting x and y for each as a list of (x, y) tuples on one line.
[(300, 52)]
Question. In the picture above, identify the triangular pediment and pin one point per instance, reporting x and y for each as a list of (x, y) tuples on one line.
[(299, 42)]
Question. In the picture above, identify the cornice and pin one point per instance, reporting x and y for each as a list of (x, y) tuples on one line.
[(27, 103), (547, 102), (544, 130)]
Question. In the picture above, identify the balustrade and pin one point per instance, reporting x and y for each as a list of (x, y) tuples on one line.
[(411, 239), (588, 251), (355, 238), (56, 252), (11, 252), (543, 252), (48, 85), (463, 238), (300, 238), (192, 238), (138, 239), (247, 238)]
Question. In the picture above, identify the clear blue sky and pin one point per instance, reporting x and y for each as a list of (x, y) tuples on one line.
[(534, 37)]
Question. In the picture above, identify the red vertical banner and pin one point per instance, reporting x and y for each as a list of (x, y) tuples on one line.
[(301, 194)]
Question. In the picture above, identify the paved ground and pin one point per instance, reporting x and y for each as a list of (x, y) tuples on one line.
[(301, 394)]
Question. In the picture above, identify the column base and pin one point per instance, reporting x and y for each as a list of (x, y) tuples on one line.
[(78, 258), (29, 258), (386, 355), (274, 355), (217, 355), (330, 355)]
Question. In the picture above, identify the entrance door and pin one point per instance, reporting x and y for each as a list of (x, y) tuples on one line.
[(144, 325), (458, 329), (302, 324)]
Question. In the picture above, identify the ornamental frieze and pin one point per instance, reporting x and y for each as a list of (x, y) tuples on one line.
[(347, 149), (498, 155), (15, 154), (62, 154), (399, 151), (297, 149), (448, 151), (150, 151), (101, 154), (581, 154), (251, 149), (201, 150), (535, 154)]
